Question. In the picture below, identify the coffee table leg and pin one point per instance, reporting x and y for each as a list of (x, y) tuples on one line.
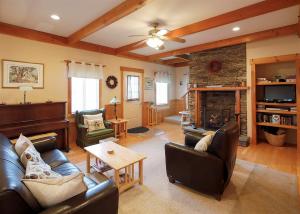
[(117, 178), (141, 172), (88, 162)]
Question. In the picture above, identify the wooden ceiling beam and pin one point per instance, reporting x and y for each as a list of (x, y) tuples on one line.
[(226, 18), (299, 23), (124, 9), (267, 34), (175, 61), (182, 64), (26, 33)]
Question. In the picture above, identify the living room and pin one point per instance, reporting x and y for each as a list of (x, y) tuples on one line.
[(123, 100)]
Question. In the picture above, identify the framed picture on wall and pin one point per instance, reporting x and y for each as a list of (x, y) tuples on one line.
[(148, 83), (17, 73)]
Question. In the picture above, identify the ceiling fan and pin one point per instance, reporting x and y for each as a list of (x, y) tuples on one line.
[(156, 37)]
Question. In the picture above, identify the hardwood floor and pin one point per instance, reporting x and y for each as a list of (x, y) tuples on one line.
[(279, 158)]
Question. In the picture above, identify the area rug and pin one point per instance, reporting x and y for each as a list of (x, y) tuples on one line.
[(253, 188), (138, 130)]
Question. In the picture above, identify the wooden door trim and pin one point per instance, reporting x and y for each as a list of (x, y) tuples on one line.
[(130, 69)]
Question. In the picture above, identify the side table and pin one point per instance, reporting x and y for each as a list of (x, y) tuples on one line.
[(119, 126)]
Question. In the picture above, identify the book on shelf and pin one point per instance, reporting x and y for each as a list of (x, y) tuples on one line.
[(283, 120), (276, 109)]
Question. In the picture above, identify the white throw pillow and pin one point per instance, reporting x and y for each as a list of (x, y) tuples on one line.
[(31, 154), (203, 143), (22, 144), (39, 170), (95, 125), (49, 192), (91, 117)]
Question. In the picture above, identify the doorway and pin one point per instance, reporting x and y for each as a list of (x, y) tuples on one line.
[(132, 95)]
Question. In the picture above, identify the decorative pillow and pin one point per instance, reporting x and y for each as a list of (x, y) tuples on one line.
[(31, 154), (49, 192), (203, 143), (22, 144), (91, 117), (209, 133), (95, 125), (39, 170)]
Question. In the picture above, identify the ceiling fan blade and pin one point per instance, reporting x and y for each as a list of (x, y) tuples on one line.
[(175, 39), (137, 35), (162, 32)]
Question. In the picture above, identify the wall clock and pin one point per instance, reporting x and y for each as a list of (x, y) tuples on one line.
[(111, 82), (215, 66)]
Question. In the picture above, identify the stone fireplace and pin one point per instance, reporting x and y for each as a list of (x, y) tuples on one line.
[(218, 107)]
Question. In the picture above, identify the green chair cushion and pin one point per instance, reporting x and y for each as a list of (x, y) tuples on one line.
[(99, 132)]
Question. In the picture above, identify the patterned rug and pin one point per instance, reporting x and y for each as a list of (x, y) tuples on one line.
[(253, 188)]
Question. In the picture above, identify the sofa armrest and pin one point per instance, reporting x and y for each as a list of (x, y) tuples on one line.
[(44, 144), (102, 198), (194, 167), (191, 139), (107, 124)]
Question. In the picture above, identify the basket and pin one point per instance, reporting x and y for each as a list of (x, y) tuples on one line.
[(275, 140)]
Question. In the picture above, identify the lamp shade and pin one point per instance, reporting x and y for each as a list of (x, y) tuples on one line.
[(25, 88), (114, 100)]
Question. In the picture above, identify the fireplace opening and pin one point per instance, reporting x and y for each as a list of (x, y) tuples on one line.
[(218, 108)]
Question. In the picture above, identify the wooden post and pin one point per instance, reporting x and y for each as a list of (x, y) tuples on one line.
[(88, 162), (298, 103), (253, 103), (141, 179), (238, 107)]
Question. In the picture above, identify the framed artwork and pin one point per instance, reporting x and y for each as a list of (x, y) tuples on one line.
[(148, 83), (16, 74)]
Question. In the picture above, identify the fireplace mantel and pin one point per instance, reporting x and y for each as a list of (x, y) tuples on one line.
[(225, 88)]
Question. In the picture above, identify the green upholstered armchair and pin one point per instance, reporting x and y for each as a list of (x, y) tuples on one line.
[(85, 138)]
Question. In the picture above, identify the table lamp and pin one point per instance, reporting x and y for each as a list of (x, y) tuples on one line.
[(114, 101), (25, 88)]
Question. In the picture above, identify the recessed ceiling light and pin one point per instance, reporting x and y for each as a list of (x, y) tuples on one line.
[(55, 17), (236, 28)]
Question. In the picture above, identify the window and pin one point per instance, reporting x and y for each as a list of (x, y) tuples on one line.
[(85, 94), (133, 89), (161, 93)]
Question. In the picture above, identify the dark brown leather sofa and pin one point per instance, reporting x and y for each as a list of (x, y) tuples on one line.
[(15, 198), (207, 172)]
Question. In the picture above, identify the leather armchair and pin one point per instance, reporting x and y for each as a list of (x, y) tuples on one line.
[(207, 172), (85, 138)]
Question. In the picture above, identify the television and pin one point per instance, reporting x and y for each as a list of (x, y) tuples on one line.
[(280, 93)]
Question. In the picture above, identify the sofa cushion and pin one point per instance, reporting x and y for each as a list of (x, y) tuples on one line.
[(99, 132), (31, 154), (66, 169), (202, 145), (39, 170), (22, 144), (54, 158), (94, 125)]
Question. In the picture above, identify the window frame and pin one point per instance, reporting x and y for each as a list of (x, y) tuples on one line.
[(139, 91), (163, 104), (70, 113)]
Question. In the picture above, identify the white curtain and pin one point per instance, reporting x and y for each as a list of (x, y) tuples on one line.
[(162, 77), (82, 70)]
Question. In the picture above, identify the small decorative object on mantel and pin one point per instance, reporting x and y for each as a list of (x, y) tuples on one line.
[(17, 73), (111, 82), (215, 66)]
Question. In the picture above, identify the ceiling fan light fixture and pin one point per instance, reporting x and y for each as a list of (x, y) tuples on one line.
[(154, 42), (162, 32)]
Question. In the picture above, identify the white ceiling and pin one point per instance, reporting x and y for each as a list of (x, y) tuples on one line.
[(276, 19), (35, 14)]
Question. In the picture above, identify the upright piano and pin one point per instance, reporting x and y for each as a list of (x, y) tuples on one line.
[(36, 118)]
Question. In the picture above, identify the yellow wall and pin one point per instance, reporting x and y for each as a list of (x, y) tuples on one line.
[(272, 47), (53, 57)]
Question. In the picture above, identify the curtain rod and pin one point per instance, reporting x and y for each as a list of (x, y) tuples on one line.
[(68, 61)]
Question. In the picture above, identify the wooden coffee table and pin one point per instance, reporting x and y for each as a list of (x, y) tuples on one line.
[(121, 160)]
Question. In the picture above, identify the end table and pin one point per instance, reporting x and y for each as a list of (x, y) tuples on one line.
[(119, 126)]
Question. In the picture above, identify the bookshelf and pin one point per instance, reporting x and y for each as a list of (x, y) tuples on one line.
[(271, 67)]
